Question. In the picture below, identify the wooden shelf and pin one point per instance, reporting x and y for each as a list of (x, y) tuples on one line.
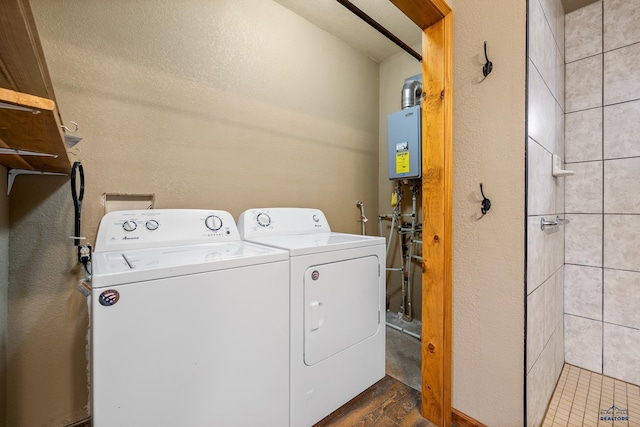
[(25, 82), (37, 130)]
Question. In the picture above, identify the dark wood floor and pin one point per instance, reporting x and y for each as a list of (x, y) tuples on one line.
[(387, 403)]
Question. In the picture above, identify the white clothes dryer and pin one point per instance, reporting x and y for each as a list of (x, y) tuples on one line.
[(189, 324), (337, 286)]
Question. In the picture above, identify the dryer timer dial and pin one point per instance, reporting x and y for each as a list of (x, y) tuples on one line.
[(263, 219)]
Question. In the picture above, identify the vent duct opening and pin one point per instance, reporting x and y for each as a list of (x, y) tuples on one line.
[(411, 92)]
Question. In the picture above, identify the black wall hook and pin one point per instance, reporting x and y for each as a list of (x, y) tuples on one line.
[(488, 66), (486, 203)]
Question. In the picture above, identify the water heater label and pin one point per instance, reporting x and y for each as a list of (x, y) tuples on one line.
[(402, 158)]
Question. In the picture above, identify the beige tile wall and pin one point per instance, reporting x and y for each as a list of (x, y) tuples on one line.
[(620, 123), (583, 291), (583, 136), (584, 27), (545, 199), (602, 200)]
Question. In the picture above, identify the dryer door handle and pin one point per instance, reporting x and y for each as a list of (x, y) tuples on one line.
[(316, 318)]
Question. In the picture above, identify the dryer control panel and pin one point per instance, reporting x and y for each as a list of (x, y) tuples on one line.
[(142, 229), (264, 222)]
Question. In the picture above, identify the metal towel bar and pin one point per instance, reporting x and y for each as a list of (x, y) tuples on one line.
[(558, 221)]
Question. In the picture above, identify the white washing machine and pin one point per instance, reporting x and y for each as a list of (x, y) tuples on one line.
[(337, 307), (189, 324)]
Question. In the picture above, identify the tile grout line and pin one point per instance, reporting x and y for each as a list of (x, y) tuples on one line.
[(600, 379), (558, 393), (600, 400), (584, 413), (591, 380), (603, 189)]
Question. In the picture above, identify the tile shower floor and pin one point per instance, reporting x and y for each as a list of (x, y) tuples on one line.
[(584, 398)]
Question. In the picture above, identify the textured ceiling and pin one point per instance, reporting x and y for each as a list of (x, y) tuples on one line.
[(334, 18)]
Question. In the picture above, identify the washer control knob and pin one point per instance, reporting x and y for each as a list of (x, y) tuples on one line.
[(129, 225), (152, 224), (316, 218), (263, 219), (213, 223)]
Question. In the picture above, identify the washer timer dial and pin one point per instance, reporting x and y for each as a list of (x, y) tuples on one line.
[(152, 224), (213, 223), (263, 219), (129, 225)]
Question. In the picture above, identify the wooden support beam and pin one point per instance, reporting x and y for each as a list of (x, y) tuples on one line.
[(437, 201), (423, 13), (435, 18)]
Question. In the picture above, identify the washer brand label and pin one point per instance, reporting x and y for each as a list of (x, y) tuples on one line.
[(130, 238), (109, 297), (315, 275)]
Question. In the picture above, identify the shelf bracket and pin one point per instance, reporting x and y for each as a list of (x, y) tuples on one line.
[(26, 153), (13, 173), (18, 108)]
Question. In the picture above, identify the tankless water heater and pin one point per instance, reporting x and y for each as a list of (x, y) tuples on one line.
[(405, 158), (404, 136)]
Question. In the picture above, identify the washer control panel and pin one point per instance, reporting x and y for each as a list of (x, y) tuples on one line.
[(138, 229), (265, 222)]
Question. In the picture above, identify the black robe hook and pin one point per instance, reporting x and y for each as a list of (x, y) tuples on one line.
[(488, 66), (486, 203)]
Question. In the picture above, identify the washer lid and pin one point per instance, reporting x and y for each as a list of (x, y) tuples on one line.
[(121, 267), (304, 244)]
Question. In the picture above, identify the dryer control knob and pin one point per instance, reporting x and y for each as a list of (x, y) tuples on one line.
[(263, 219), (152, 224), (129, 225), (316, 218), (213, 223)]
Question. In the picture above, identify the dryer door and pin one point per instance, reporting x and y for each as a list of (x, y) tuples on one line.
[(342, 303)]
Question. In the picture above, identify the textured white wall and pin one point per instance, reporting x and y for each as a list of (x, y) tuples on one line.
[(46, 364), (218, 104), (488, 258)]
